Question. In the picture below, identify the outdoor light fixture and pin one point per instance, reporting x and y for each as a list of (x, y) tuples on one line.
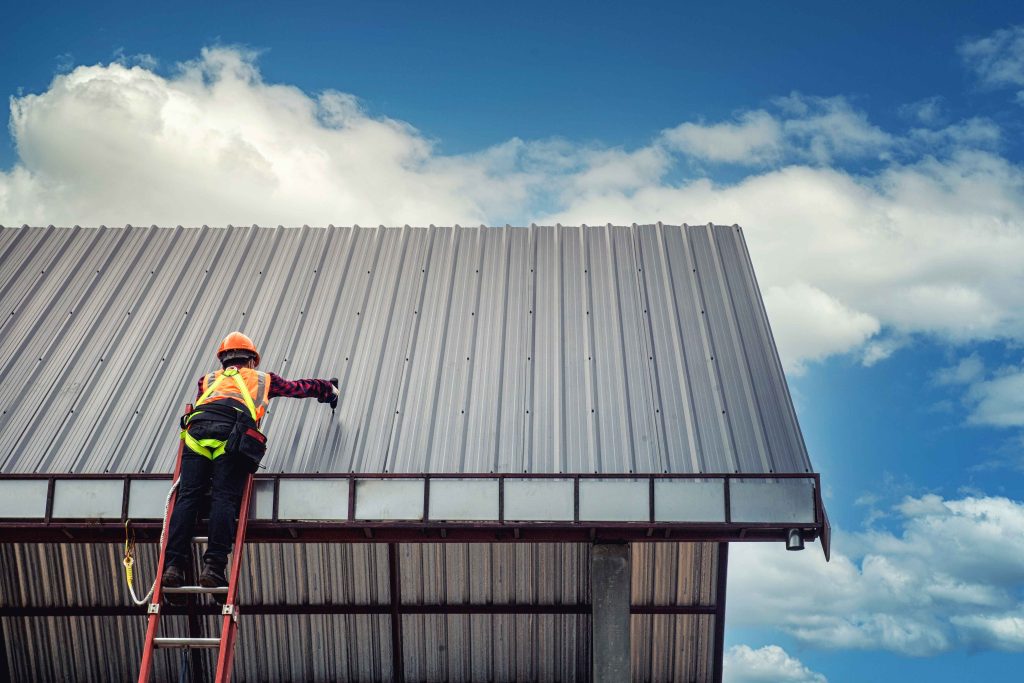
[(794, 541)]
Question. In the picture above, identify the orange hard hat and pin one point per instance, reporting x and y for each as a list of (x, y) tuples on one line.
[(239, 343)]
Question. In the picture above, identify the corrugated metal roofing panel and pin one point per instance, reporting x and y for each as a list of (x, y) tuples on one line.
[(554, 349), (545, 349)]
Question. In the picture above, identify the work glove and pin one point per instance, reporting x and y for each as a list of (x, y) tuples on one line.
[(334, 401)]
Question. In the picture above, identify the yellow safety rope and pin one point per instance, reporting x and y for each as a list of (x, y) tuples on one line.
[(129, 553), (129, 549)]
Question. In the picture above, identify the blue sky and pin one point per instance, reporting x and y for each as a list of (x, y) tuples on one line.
[(872, 153)]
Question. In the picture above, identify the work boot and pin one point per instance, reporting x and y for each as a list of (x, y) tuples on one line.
[(213, 577), (174, 577)]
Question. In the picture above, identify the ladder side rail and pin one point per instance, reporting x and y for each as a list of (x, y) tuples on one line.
[(146, 668), (229, 630)]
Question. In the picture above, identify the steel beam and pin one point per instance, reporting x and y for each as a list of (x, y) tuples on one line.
[(395, 584), (334, 608), (719, 631), (267, 531), (609, 625)]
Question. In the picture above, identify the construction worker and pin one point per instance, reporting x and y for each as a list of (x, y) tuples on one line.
[(223, 446)]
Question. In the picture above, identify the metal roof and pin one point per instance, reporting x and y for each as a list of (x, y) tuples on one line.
[(543, 349), (641, 349)]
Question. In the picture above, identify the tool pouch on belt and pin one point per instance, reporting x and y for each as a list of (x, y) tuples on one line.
[(246, 442)]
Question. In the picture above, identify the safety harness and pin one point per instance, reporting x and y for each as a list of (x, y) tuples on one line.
[(213, 448)]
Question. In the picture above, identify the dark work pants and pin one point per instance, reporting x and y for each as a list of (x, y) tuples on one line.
[(228, 480)]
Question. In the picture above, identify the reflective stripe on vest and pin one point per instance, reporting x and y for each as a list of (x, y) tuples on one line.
[(249, 386), (216, 388)]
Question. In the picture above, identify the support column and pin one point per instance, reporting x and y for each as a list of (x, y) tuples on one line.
[(609, 624)]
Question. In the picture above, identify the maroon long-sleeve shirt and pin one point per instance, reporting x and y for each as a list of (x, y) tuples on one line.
[(320, 389)]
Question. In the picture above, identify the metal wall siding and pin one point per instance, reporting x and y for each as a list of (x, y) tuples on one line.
[(358, 647), (496, 647), (672, 647), (545, 349), (674, 573)]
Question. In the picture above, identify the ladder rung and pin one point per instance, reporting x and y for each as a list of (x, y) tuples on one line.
[(186, 642), (194, 589), (201, 539)]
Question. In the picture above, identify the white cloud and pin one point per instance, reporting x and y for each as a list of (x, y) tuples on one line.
[(768, 664), (142, 59), (998, 401), (951, 578), (1005, 631), (928, 111), (216, 144), (932, 247), (997, 59), (810, 129), (798, 308), (829, 128), (755, 138), (976, 132), (966, 371), (878, 349), (993, 398), (849, 262)]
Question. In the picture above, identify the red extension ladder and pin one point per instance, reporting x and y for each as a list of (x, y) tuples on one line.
[(229, 629)]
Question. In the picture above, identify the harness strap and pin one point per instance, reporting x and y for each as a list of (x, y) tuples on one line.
[(244, 390), (213, 448), (232, 372)]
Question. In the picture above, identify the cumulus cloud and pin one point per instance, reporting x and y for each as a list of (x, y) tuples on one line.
[(799, 307), (999, 400), (929, 111), (993, 397), (810, 129), (973, 133), (829, 127), (933, 247), (768, 664), (997, 59), (1006, 632), (215, 144), (755, 138), (965, 371), (950, 578), (930, 241)]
